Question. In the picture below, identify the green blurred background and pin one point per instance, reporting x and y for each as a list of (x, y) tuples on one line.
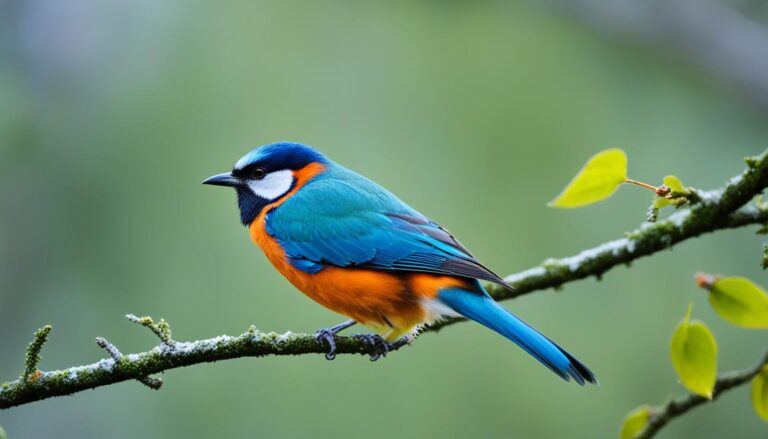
[(475, 113)]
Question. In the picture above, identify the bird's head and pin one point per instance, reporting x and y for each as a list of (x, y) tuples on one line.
[(269, 173)]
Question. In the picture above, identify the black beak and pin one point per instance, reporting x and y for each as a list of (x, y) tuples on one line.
[(225, 179)]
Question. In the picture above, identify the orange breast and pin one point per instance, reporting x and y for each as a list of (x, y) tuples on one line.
[(392, 303), (379, 299)]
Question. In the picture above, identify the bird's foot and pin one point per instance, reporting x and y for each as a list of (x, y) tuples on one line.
[(381, 346), (327, 335)]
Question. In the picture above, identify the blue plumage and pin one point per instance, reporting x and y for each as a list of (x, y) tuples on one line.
[(277, 156), (343, 219), (484, 310), (337, 218), (270, 158)]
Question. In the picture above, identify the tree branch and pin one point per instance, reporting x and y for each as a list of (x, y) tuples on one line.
[(152, 383), (717, 210), (680, 405), (252, 343)]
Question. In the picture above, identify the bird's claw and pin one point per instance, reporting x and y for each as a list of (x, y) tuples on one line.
[(380, 346), (327, 335)]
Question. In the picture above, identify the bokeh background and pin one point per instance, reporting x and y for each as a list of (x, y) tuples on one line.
[(476, 113)]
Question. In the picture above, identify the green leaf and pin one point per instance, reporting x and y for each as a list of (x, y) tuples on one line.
[(635, 422), (760, 393), (675, 185), (2, 434), (661, 202), (694, 355), (739, 301), (596, 181)]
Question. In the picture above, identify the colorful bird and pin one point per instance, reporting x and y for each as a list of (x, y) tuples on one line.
[(356, 249)]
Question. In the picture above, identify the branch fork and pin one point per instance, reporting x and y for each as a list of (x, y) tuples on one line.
[(717, 210), (152, 383)]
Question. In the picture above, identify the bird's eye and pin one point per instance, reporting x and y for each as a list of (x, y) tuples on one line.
[(258, 174)]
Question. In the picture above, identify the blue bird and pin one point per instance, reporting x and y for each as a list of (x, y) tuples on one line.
[(356, 249)]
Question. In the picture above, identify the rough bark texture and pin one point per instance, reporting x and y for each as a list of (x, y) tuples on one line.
[(715, 210), (680, 405)]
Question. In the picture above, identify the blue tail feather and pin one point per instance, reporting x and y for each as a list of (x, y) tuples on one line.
[(480, 307)]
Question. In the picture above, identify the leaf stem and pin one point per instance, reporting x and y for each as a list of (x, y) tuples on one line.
[(723, 210), (651, 187)]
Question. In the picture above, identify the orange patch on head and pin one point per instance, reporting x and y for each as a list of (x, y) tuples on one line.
[(306, 173), (302, 176), (257, 228)]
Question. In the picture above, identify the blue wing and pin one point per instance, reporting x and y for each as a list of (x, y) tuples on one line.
[(344, 219)]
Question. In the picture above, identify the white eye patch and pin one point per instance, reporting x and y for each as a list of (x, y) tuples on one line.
[(273, 185)]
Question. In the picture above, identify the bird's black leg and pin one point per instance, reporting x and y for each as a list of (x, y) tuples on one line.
[(380, 345), (329, 336)]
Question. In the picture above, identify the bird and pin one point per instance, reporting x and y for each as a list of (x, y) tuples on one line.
[(358, 250)]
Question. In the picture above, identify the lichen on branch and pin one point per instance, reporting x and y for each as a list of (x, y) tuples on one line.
[(717, 210), (33, 352), (676, 407), (252, 343)]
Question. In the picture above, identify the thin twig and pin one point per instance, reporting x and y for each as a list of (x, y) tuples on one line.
[(33, 352), (717, 210), (161, 329), (678, 406), (152, 383)]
